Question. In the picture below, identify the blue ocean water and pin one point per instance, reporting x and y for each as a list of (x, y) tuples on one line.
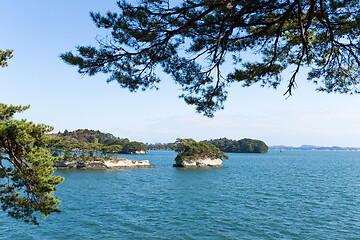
[(290, 195)]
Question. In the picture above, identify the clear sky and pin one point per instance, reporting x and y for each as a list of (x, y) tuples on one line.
[(39, 31)]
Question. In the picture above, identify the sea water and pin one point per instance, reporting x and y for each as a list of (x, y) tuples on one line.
[(289, 195)]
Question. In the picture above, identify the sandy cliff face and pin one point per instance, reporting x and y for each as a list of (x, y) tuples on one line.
[(100, 163), (205, 162), (140, 152), (122, 162)]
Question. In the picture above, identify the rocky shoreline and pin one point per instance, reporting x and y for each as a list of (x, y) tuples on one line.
[(96, 163), (194, 163)]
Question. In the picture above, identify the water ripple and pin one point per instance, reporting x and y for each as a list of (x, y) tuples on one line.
[(295, 195)]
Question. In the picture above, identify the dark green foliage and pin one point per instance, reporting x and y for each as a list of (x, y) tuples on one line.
[(4, 56), (27, 183), (160, 146), (91, 141), (66, 133), (189, 149), (110, 151), (67, 155), (132, 147), (193, 40), (85, 135), (245, 145)]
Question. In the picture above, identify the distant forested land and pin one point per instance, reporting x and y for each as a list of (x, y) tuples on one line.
[(97, 141), (314, 147), (160, 146), (245, 145)]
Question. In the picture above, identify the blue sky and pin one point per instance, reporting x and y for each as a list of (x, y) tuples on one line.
[(39, 31)]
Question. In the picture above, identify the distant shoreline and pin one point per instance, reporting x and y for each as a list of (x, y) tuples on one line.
[(313, 148)]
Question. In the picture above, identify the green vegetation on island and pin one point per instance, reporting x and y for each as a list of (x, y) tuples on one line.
[(27, 182), (85, 151), (245, 145), (189, 149), (93, 143)]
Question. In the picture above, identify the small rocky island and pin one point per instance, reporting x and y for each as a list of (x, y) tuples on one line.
[(197, 154), (100, 163), (90, 149)]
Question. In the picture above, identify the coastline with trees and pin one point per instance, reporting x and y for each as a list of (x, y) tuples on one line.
[(84, 142), (206, 48), (245, 145), (92, 149)]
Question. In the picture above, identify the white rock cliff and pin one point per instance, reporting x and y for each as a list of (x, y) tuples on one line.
[(205, 162), (101, 164)]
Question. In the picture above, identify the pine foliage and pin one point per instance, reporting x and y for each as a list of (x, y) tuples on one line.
[(27, 183), (195, 41), (189, 149)]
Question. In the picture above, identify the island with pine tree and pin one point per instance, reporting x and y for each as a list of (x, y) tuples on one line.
[(197, 154), (91, 149)]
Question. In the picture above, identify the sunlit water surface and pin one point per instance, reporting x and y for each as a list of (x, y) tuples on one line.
[(290, 195)]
